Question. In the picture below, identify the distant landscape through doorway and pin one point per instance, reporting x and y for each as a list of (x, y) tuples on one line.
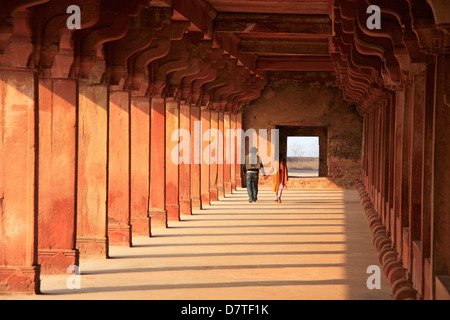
[(303, 156)]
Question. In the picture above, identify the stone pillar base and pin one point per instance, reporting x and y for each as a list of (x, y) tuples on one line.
[(205, 199), (214, 195), (233, 186), (227, 187), (238, 182), (186, 207), (119, 235), (140, 226), (196, 203), (92, 247), (158, 219), (221, 192), (19, 280), (56, 261), (173, 212)]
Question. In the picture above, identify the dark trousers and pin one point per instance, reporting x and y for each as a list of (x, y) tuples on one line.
[(252, 185)]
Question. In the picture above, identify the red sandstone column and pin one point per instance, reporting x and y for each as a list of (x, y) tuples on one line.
[(440, 257), (427, 186), (406, 177), (57, 168), (238, 150), (375, 163), (385, 177), (205, 181), (185, 168), (391, 162), (221, 156), (92, 238), (227, 153), (158, 213), (119, 228), (372, 155), (140, 165), (399, 115), (213, 173), (196, 157), (19, 271), (365, 149), (172, 141), (416, 162), (233, 151)]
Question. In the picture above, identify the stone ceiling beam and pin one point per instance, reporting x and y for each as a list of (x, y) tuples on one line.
[(273, 24), (300, 63), (274, 46), (271, 6), (198, 12), (230, 43)]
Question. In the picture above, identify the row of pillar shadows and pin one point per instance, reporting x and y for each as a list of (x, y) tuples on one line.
[(399, 78), (87, 123)]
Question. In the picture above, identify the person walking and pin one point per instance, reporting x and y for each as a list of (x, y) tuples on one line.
[(280, 178), (252, 166)]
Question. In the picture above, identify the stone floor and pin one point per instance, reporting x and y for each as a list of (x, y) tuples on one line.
[(315, 245)]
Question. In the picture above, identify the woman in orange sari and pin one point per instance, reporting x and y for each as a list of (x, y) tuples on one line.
[(280, 178)]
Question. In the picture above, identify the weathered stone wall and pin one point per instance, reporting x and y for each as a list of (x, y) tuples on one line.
[(295, 103)]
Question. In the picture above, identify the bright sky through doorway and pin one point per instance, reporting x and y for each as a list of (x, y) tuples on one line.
[(303, 147)]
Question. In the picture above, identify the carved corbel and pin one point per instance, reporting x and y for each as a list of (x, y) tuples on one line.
[(198, 51), (141, 32), (176, 60), (395, 15), (55, 39), (441, 11), (239, 87), (235, 100), (197, 86), (430, 37), (222, 79), (159, 48), (255, 94), (237, 84), (211, 57), (16, 34)]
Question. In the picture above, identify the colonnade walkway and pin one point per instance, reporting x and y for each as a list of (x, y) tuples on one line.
[(315, 245)]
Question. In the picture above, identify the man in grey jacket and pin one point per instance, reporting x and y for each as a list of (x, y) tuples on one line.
[(252, 166)]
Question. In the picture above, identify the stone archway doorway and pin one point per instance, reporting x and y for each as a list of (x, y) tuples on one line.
[(301, 131)]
